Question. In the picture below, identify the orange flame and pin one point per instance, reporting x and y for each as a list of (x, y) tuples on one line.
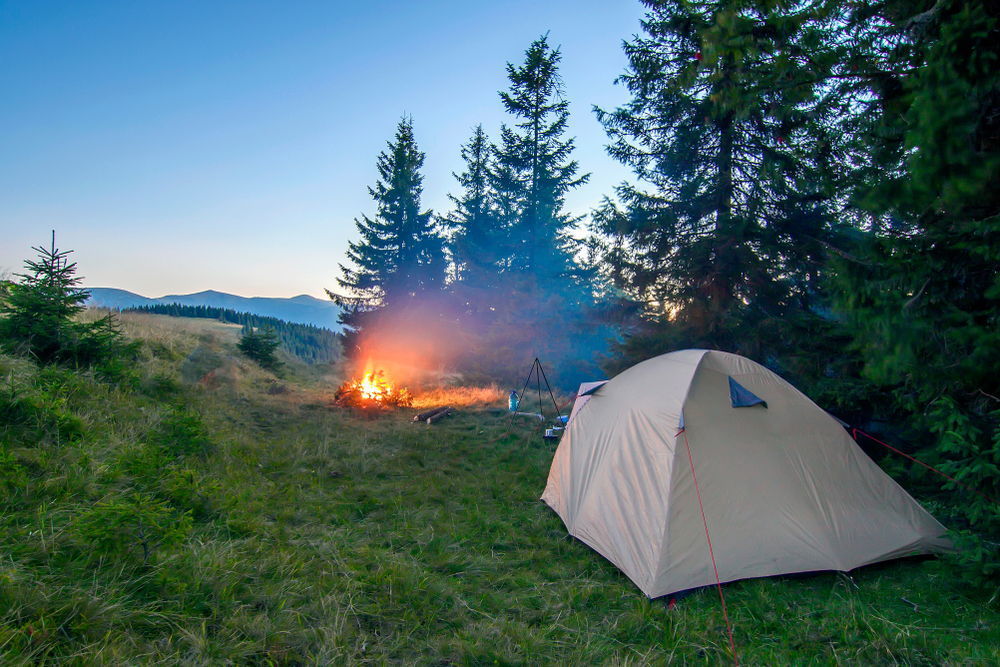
[(373, 386), (372, 389)]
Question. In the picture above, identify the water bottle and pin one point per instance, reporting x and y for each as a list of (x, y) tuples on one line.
[(512, 401)]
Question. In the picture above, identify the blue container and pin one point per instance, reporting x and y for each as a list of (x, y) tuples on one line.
[(512, 401)]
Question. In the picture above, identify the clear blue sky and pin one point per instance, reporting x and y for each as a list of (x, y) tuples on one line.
[(180, 146)]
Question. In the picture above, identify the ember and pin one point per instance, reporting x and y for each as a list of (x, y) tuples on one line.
[(372, 390)]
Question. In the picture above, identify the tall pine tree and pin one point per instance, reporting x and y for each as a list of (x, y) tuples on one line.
[(723, 236), (399, 258), (394, 300), (534, 166), (477, 242), (519, 288)]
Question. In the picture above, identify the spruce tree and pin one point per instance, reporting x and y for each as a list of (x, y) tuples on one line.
[(549, 308), (534, 166), (923, 301), (723, 234), (518, 288), (260, 345), (477, 241), (37, 314), (399, 257)]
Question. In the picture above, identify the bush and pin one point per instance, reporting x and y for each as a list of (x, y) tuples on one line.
[(29, 419), (131, 525), (182, 433), (976, 562), (160, 386), (12, 475), (185, 488)]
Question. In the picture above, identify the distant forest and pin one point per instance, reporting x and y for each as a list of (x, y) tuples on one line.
[(311, 344)]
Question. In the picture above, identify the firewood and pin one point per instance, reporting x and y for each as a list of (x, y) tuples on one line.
[(423, 416), (440, 415)]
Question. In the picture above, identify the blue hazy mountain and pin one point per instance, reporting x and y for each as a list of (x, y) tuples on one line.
[(303, 309)]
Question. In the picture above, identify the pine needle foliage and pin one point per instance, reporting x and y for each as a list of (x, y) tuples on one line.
[(260, 345), (37, 314), (723, 232), (923, 303), (399, 256), (476, 242), (534, 165)]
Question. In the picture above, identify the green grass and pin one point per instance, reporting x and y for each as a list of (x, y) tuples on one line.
[(280, 530)]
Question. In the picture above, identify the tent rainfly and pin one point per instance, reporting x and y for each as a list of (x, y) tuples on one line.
[(699, 446)]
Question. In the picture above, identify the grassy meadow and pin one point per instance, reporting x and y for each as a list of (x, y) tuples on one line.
[(204, 511)]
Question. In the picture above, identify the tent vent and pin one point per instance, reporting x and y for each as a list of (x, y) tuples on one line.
[(743, 397), (593, 390)]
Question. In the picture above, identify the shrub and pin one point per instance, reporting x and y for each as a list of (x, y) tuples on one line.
[(30, 419), (131, 525), (182, 433), (186, 489), (160, 386), (968, 449), (12, 474)]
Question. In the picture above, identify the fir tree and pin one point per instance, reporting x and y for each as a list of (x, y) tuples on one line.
[(519, 289), (260, 345), (395, 298), (723, 235), (400, 255), (38, 314), (923, 301), (534, 166), (477, 241)]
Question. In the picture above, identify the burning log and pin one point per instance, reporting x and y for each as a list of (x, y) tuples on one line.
[(372, 390)]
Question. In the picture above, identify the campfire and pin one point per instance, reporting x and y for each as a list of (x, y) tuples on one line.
[(372, 390)]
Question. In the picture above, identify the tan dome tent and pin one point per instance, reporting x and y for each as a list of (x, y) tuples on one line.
[(782, 485)]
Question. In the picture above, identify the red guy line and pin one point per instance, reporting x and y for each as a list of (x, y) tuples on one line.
[(856, 431), (711, 553)]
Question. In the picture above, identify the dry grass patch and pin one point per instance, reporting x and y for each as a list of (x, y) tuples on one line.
[(457, 397)]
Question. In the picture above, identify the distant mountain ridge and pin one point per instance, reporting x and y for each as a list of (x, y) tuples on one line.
[(303, 309)]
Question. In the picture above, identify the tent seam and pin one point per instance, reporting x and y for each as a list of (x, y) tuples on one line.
[(664, 545)]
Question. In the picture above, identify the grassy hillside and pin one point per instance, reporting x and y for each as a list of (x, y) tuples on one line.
[(311, 344), (205, 511)]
